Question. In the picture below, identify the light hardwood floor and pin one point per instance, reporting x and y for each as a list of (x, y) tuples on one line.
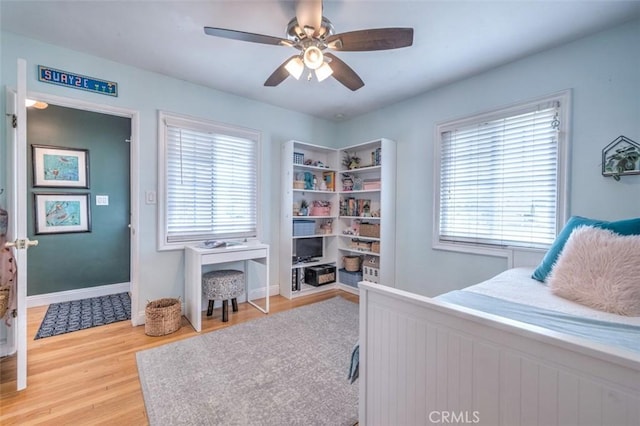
[(90, 377)]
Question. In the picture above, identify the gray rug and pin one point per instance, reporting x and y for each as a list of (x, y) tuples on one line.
[(288, 368)]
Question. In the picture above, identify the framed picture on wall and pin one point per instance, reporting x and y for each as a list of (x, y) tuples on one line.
[(60, 167), (61, 213)]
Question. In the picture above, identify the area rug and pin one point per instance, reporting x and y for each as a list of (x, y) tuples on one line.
[(289, 368), (66, 317)]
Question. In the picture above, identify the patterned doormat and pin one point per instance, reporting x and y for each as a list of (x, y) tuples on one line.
[(77, 315)]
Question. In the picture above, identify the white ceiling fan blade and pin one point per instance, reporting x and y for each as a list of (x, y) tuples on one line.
[(309, 16)]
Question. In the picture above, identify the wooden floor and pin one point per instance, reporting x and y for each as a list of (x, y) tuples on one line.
[(91, 377)]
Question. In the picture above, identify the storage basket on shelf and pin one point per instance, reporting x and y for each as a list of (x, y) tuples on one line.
[(302, 228), (162, 317), (350, 278), (320, 211), (375, 247), (371, 230), (351, 263), (4, 300), (360, 245), (321, 208)]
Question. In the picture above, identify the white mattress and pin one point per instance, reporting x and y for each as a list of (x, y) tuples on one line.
[(516, 285)]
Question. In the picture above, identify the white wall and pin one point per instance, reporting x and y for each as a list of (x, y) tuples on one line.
[(161, 274), (603, 72)]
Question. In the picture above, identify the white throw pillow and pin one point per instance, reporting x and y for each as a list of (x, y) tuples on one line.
[(600, 269)]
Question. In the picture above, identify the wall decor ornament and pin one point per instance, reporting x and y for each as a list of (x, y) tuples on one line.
[(60, 167), (62, 213), (77, 81), (621, 157)]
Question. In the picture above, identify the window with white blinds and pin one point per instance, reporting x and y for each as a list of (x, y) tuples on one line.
[(500, 176), (210, 179)]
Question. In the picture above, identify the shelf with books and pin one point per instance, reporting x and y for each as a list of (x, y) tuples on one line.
[(367, 192), (345, 198)]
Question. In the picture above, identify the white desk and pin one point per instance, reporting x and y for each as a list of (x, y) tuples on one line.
[(196, 257)]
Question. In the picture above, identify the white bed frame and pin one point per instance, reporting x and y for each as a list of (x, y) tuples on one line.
[(425, 362)]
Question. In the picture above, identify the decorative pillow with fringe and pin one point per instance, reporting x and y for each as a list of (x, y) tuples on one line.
[(600, 269)]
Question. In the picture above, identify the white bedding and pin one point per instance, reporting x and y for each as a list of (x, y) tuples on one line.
[(516, 285)]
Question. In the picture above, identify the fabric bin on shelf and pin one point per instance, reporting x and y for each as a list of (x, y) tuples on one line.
[(349, 278), (303, 228)]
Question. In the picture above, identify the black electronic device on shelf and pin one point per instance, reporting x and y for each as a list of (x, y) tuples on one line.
[(308, 249)]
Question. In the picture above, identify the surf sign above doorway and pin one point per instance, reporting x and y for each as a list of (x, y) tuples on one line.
[(77, 81)]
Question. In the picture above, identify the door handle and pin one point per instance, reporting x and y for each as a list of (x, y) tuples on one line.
[(21, 243)]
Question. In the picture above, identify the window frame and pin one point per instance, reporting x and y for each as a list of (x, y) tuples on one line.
[(197, 124), (563, 171)]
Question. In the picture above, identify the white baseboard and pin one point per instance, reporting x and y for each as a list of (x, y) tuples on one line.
[(81, 293), (139, 319), (348, 289), (6, 349), (259, 293)]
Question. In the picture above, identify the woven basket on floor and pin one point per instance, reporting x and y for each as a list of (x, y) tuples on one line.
[(4, 300), (162, 317)]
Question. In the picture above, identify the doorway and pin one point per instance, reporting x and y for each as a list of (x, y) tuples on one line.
[(14, 340), (113, 222), (96, 258)]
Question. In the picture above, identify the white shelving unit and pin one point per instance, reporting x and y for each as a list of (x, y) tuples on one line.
[(340, 240), (377, 169)]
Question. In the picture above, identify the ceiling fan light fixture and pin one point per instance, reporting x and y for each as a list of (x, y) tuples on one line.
[(323, 72), (313, 57), (295, 67)]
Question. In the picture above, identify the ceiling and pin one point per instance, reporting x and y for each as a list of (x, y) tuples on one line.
[(452, 40)]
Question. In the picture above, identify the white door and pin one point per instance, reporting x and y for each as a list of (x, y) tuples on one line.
[(17, 201)]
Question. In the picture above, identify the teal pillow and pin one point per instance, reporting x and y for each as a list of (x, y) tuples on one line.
[(622, 227)]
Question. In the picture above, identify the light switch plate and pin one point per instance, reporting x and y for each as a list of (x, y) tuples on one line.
[(102, 200), (150, 197)]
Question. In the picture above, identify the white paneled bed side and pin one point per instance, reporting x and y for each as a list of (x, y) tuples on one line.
[(423, 361)]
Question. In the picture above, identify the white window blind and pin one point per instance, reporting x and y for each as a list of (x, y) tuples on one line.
[(211, 184), (499, 178)]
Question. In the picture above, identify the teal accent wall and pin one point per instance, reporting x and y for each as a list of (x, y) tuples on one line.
[(72, 261)]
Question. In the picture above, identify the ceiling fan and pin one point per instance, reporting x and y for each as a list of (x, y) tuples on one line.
[(311, 34)]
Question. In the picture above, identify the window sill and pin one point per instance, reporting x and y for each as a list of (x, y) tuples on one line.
[(515, 256)]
